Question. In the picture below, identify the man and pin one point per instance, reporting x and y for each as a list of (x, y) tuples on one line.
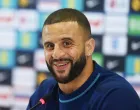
[(79, 83)]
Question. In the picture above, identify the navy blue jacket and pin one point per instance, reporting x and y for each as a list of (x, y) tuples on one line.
[(104, 90)]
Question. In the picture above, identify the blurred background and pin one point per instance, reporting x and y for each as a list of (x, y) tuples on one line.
[(115, 26)]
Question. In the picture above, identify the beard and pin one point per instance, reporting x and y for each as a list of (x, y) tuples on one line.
[(75, 70)]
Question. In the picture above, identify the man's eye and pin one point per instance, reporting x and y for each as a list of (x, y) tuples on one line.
[(67, 44), (49, 46)]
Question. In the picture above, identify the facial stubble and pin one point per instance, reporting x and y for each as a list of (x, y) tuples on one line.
[(75, 70)]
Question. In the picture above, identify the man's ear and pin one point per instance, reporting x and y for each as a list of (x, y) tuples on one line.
[(89, 47)]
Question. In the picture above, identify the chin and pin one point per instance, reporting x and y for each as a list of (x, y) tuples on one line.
[(62, 79)]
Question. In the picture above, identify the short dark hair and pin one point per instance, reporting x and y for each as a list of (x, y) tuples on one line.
[(69, 14)]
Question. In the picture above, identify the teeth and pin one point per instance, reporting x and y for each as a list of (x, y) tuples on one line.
[(61, 64)]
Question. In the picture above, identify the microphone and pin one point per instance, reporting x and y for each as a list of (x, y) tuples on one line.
[(42, 101)]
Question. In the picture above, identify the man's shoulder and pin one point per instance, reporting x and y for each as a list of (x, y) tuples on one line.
[(45, 86), (110, 82), (109, 79), (48, 83), (111, 86)]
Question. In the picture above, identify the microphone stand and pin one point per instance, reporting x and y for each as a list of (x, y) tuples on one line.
[(39, 103)]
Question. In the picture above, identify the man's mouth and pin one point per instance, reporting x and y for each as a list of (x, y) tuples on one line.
[(61, 65)]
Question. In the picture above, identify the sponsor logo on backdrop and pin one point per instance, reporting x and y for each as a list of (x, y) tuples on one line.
[(39, 60), (24, 58), (7, 19), (113, 63), (7, 58), (23, 76), (116, 24), (8, 4), (27, 40), (117, 6), (5, 77), (93, 5), (114, 45), (27, 20), (75, 4), (96, 21), (134, 45), (27, 4), (42, 75), (98, 57), (135, 6), (7, 39), (98, 43), (5, 96), (132, 65), (134, 25), (48, 5), (21, 95)]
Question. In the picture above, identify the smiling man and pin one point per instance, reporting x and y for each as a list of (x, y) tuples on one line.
[(79, 83)]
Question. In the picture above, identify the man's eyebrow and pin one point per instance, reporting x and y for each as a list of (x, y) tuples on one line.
[(67, 39), (46, 42)]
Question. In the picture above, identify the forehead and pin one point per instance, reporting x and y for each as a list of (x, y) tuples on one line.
[(61, 30)]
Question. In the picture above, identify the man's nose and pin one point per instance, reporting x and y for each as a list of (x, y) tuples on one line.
[(58, 52)]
